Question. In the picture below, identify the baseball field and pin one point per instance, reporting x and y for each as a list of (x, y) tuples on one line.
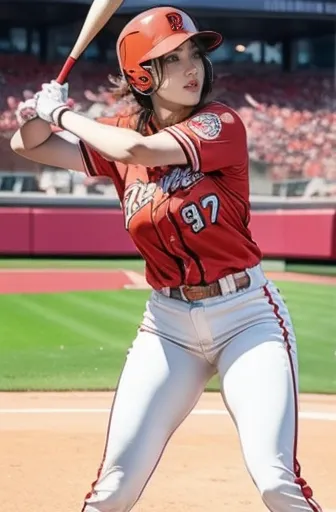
[(65, 328)]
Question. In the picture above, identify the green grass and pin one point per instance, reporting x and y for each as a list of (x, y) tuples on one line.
[(79, 340), (313, 311), (66, 341), (306, 268), (46, 263)]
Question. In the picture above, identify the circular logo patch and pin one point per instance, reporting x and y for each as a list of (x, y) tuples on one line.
[(207, 126)]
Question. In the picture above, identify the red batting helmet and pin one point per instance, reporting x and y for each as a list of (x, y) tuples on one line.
[(151, 35)]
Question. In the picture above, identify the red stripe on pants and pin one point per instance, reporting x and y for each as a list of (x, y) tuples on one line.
[(306, 490)]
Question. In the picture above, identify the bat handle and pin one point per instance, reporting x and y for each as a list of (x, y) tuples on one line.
[(68, 65)]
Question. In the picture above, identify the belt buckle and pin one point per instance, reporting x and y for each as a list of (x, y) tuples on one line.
[(193, 293), (201, 292), (185, 289)]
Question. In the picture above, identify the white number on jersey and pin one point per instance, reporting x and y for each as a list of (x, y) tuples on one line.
[(192, 213)]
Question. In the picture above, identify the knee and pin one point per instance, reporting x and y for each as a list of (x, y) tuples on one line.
[(112, 494)]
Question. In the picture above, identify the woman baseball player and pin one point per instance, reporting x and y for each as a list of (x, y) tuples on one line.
[(180, 166)]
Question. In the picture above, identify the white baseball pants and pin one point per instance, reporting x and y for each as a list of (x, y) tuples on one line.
[(247, 338)]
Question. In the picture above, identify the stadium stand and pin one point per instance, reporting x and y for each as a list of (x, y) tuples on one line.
[(290, 117)]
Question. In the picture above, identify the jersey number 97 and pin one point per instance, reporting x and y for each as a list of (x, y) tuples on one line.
[(193, 213)]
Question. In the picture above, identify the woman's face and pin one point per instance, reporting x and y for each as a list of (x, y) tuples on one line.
[(182, 77)]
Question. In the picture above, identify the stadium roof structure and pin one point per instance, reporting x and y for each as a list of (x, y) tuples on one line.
[(250, 19)]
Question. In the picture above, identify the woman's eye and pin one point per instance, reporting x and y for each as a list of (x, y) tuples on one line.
[(197, 54), (172, 58)]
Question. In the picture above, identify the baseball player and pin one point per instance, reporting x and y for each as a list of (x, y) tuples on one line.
[(181, 172)]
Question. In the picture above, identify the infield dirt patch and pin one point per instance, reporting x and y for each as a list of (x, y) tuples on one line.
[(48, 460), (60, 280)]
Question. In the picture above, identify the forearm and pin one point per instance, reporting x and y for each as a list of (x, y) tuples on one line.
[(32, 134), (113, 142)]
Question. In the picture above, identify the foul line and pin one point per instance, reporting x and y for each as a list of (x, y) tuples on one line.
[(305, 415)]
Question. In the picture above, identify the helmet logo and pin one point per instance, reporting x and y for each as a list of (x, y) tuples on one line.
[(140, 79), (175, 20)]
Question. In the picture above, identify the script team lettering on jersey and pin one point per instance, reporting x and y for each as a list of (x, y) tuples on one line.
[(138, 194), (179, 178)]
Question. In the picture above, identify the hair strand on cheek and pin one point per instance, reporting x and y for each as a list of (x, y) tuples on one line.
[(157, 67)]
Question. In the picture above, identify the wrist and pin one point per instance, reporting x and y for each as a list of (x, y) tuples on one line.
[(57, 115)]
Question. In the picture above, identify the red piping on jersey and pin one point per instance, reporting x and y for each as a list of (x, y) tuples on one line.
[(87, 160), (218, 178), (184, 149), (178, 261), (306, 490), (187, 145), (191, 253)]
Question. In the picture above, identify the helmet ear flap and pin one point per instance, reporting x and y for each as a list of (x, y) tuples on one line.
[(140, 79)]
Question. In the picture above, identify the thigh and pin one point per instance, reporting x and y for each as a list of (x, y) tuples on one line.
[(159, 385), (258, 375)]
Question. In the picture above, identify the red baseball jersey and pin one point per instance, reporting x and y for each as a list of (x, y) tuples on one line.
[(190, 223)]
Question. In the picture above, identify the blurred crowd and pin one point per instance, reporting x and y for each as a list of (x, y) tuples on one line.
[(290, 117)]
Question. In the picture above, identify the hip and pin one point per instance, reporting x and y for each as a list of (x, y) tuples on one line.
[(257, 310)]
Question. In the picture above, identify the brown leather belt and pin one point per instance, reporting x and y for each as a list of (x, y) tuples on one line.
[(194, 293)]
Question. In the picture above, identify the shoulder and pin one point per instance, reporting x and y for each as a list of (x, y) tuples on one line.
[(215, 122), (217, 110)]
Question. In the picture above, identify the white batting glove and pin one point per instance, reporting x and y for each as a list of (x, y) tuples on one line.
[(51, 97), (26, 111)]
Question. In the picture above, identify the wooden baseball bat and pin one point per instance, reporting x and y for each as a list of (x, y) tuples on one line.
[(99, 14)]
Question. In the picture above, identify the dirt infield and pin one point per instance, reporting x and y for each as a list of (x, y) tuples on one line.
[(59, 280), (49, 458)]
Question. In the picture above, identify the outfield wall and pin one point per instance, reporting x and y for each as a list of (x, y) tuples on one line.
[(33, 231)]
